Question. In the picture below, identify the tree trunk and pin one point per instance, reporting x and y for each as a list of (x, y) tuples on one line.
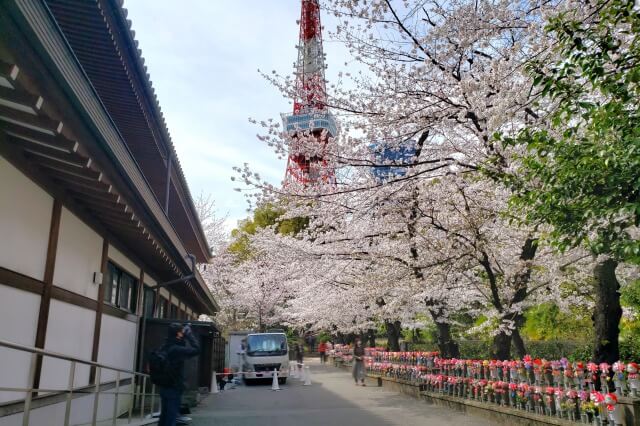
[(518, 343), (447, 346), (393, 335), (501, 348), (607, 313), (371, 337)]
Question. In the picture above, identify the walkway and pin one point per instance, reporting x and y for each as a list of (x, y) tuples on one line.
[(332, 400)]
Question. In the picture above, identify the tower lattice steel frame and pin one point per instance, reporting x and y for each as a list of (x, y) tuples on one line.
[(310, 117)]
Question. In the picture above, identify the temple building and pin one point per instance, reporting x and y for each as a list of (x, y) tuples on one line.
[(95, 211)]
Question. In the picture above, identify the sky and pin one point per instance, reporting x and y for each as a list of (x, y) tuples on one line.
[(203, 57)]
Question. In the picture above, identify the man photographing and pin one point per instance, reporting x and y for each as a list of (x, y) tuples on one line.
[(167, 370)]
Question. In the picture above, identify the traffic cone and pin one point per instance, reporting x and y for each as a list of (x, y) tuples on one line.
[(301, 372), (275, 386), (307, 376), (214, 384)]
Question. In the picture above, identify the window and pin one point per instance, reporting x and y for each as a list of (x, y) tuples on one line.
[(149, 301), (173, 312), (122, 289), (163, 308)]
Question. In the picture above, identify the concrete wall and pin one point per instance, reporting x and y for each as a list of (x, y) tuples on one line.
[(24, 224), (78, 256), (19, 318)]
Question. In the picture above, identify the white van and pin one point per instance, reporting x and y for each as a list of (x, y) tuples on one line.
[(264, 353)]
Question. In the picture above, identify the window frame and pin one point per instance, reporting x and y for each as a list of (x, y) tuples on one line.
[(121, 281)]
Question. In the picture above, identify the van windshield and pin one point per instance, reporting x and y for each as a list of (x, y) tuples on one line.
[(266, 344)]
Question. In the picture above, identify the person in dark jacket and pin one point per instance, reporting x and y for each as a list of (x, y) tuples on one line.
[(299, 352), (358, 362), (181, 344)]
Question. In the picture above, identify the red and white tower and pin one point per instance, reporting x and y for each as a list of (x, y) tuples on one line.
[(310, 125)]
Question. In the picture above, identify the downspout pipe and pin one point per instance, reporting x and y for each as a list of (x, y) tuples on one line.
[(168, 186), (156, 291)]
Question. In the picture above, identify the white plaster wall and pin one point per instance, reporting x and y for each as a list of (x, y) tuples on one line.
[(78, 256), (81, 411), (19, 313), (124, 262), (70, 332), (164, 293), (25, 219), (149, 281), (117, 345)]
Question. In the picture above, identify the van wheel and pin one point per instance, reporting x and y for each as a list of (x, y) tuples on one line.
[(248, 382), (282, 380)]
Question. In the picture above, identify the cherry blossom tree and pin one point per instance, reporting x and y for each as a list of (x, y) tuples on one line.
[(434, 235)]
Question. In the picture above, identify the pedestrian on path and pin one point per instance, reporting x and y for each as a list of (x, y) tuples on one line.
[(322, 349), (358, 362), (298, 349), (180, 345)]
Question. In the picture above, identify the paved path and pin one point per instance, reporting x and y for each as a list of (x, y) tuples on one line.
[(332, 400)]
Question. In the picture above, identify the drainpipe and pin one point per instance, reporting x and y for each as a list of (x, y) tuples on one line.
[(168, 187), (156, 289)]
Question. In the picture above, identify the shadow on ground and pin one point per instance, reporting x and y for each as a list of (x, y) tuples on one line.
[(333, 399)]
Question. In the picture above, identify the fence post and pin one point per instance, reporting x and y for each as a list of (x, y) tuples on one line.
[(29, 395), (133, 398), (96, 399), (153, 398), (67, 409), (115, 399), (143, 394)]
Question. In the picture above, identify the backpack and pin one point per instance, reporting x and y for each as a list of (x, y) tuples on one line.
[(160, 369)]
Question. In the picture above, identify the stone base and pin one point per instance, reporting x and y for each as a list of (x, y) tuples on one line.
[(496, 413)]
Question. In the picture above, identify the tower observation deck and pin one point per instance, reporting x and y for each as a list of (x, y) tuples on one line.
[(311, 125)]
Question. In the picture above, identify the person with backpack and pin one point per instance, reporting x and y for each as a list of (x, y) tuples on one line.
[(166, 366)]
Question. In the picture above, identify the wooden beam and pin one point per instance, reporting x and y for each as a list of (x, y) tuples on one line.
[(57, 159), (20, 282), (140, 301), (67, 169), (96, 197), (82, 185), (20, 100), (45, 299), (122, 218), (103, 205), (28, 146), (40, 123), (72, 298), (57, 141), (99, 308), (8, 74), (115, 223)]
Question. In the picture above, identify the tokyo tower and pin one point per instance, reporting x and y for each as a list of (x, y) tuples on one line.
[(311, 124)]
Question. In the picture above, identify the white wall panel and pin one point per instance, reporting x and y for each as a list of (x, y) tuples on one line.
[(19, 313), (25, 219), (124, 262), (78, 257), (70, 332), (164, 293), (149, 281), (81, 411), (117, 345)]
